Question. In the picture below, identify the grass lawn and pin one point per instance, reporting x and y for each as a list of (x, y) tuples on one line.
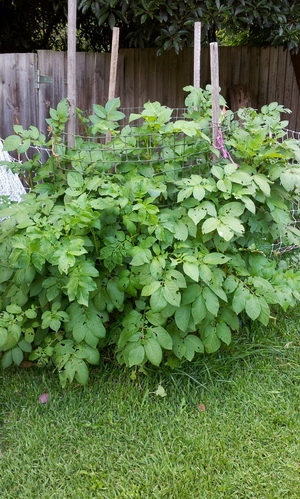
[(116, 438)]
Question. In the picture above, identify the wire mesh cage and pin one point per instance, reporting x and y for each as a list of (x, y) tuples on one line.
[(171, 155)]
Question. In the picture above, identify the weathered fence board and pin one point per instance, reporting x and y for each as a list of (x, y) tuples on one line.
[(267, 73), (17, 91)]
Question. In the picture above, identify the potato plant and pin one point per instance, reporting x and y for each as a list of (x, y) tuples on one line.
[(151, 245)]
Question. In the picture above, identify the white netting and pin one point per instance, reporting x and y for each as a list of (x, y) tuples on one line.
[(10, 184)]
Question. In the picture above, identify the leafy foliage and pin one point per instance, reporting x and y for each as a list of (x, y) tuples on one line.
[(29, 25), (145, 245), (170, 25)]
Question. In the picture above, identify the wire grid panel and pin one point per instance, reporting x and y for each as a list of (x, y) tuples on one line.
[(278, 247), (151, 153)]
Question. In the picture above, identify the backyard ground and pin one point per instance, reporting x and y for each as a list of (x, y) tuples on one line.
[(228, 427)]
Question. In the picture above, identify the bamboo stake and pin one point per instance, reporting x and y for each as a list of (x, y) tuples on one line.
[(197, 54), (214, 71), (71, 70)]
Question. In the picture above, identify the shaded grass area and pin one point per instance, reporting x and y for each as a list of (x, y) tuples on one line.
[(116, 438)]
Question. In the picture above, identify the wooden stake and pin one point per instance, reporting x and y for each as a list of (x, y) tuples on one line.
[(113, 70), (214, 71), (197, 53), (113, 63), (71, 70)]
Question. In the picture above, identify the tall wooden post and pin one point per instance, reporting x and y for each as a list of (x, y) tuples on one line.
[(71, 70), (113, 63), (214, 71), (197, 53), (113, 70)]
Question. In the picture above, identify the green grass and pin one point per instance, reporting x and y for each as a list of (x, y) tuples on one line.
[(116, 439)]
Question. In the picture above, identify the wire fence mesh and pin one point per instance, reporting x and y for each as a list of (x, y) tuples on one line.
[(151, 153)]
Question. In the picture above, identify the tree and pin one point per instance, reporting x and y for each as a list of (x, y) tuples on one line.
[(28, 25), (169, 25)]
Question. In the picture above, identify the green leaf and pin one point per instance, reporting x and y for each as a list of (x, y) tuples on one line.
[(90, 354), (24, 345), (196, 214), (264, 315), (224, 185), (215, 259), (136, 355), (155, 318), (191, 293), (184, 194), (160, 391), (17, 355), (240, 177), (198, 192), (3, 336), (90, 338), (82, 373), (263, 184), (205, 273), (233, 223), (211, 301), (230, 284), (230, 318), (199, 310), (182, 317), (287, 180), (191, 270), (153, 351), (112, 104), (149, 289), (140, 256), (12, 143), (192, 344), (225, 232), (13, 309), (5, 273), (6, 360), (13, 336), (55, 324), (79, 331), (75, 180), (30, 313), (212, 342), (157, 300), (171, 293), (239, 299), (29, 335), (210, 225), (116, 296), (253, 308), (163, 338), (223, 332), (249, 204), (233, 209), (181, 231)]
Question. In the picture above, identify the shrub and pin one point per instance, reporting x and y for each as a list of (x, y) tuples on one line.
[(146, 245)]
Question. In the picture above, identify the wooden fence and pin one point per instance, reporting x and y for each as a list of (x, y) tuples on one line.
[(31, 83)]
